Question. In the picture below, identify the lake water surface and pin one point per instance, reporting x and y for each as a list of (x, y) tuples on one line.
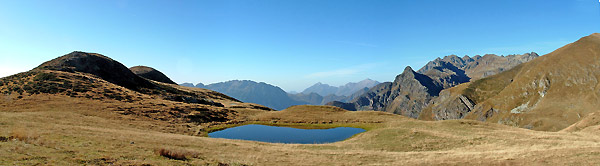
[(276, 134)]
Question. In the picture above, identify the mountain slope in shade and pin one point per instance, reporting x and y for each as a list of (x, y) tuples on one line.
[(548, 93), (253, 92), (407, 95), (151, 73)]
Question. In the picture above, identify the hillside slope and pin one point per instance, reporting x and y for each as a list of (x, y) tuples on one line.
[(548, 93)]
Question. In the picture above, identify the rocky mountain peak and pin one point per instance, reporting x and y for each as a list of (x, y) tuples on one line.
[(408, 70)]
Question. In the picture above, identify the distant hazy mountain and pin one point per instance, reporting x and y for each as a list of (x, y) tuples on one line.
[(253, 92), (351, 88), (345, 90), (321, 89), (187, 84), (312, 98), (199, 85)]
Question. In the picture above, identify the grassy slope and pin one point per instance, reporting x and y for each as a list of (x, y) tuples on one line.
[(78, 131), (569, 79), (548, 93)]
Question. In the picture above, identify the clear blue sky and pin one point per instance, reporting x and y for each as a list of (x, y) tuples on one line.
[(289, 43)]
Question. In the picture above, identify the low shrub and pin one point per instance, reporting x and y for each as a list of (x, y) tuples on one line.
[(176, 154), (22, 135)]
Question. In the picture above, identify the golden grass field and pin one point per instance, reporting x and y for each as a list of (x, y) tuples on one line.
[(60, 130)]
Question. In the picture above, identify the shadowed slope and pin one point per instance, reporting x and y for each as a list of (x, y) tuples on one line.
[(151, 73)]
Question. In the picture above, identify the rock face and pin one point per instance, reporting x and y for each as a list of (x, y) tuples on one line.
[(411, 91), (99, 65), (151, 73), (407, 95), (548, 93), (452, 69), (375, 99)]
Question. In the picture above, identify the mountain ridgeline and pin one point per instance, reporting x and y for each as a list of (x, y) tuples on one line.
[(344, 90), (254, 92), (412, 91)]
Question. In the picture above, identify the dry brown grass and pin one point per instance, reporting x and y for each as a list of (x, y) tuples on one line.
[(85, 133)]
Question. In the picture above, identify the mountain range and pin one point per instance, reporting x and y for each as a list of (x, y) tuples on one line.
[(276, 98), (344, 90), (412, 90)]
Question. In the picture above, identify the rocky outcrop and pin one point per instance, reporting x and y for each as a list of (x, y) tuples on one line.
[(151, 74), (447, 106), (407, 95)]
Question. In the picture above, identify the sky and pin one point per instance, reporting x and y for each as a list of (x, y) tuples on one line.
[(288, 43)]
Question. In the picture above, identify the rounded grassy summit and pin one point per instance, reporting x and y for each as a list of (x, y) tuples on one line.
[(151, 73)]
